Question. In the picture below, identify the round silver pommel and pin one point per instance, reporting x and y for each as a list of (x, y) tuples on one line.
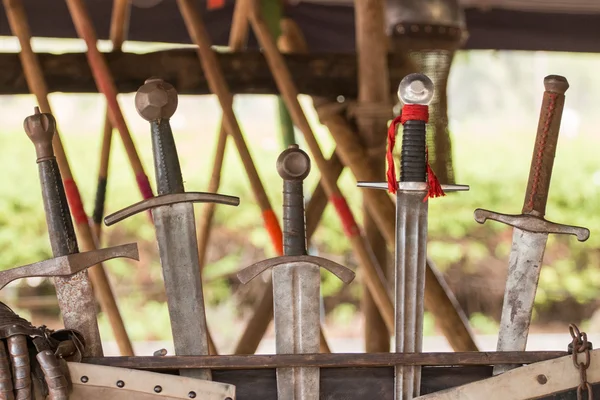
[(156, 99), (293, 164), (416, 89)]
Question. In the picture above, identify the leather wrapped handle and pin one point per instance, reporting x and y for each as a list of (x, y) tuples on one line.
[(544, 151)]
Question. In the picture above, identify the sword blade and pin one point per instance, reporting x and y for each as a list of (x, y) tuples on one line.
[(524, 266), (296, 288), (411, 256), (176, 236)]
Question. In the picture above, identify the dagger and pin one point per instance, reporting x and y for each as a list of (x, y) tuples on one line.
[(530, 229), (174, 221), (415, 90), (73, 287), (296, 283)]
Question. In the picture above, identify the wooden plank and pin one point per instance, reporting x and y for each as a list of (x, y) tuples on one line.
[(349, 360), (328, 75), (532, 381)]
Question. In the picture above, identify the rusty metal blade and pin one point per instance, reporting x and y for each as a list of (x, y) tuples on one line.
[(524, 268), (69, 264)]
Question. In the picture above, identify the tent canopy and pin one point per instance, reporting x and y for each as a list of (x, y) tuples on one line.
[(557, 25)]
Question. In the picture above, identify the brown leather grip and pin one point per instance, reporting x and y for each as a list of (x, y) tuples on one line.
[(542, 161)]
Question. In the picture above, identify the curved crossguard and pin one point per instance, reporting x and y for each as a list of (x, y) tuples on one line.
[(69, 264), (532, 223), (536, 196), (412, 186), (251, 272), (168, 199)]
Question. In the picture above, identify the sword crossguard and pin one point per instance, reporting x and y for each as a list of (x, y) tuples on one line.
[(532, 223), (168, 199), (412, 186), (70, 264), (251, 272)]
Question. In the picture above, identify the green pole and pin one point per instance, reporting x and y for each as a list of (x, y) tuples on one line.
[(272, 11)]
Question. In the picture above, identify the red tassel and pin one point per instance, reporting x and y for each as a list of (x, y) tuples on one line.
[(434, 189), (391, 141)]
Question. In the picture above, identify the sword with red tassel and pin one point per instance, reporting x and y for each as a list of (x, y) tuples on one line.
[(417, 184)]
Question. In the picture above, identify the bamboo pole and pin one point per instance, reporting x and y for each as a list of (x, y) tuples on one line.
[(259, 322), (35, 80), (439, 299), (372, 272), (106, 85), (373, 88), (119, 25)]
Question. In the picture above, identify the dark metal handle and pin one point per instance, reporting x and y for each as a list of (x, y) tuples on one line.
[(166, 161), (413, 165), (58, 215), (546, 139), (294, 221)]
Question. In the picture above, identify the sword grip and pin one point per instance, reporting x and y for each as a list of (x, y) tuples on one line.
[(166, 161), (544, 151), (413, 164), (293, 165)]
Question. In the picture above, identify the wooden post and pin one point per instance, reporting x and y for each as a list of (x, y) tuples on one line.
[(373, 90), (362, 250), (35, 80), (439, 299)]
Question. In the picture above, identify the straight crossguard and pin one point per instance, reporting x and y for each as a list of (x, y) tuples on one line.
[(73, 287), (296, 283), (531, 230), (173, 213), (415, 90)]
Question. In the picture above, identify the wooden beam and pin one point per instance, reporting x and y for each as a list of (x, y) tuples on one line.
[(327, 75), (332, 360)]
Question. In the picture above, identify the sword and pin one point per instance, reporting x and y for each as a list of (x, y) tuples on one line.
[(416, 92), (173, 213), (73, 287), (296, 283), (531, 230)]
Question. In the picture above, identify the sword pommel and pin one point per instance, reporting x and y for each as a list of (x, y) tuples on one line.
[(556, 84), (293, 164), (532, 223), (251, 272), (40, 128), (169, 199), (156, 99)]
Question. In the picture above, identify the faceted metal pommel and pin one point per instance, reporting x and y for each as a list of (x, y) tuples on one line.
[(40, 128), (556, 84), (156, 99), (293, 164), (416, 89)]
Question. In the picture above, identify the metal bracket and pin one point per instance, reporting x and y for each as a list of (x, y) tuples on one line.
[(70, 264), (412, 186), (168, 199), (251, 272), (532, 223)]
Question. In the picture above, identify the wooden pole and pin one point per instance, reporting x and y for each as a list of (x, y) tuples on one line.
[(35, 80), (106, 85), (372, 272), (373, 89), (439, 299), (259, 322), (118, 32)]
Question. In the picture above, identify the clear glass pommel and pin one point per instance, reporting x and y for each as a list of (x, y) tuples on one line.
[(416, 89)]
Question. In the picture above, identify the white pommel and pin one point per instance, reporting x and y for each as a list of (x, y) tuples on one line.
[(416, 89)]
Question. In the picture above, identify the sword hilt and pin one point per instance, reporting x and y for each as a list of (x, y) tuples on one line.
[(546, 139), (251, 272), (156, 102), (532, 223), (412, 186), (293, 165), (168, 199), (68, 265), (40, 128)]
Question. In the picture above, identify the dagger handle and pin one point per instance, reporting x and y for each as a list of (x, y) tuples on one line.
[(546, 139), (413, 163), (166, 162), (293, 165)]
